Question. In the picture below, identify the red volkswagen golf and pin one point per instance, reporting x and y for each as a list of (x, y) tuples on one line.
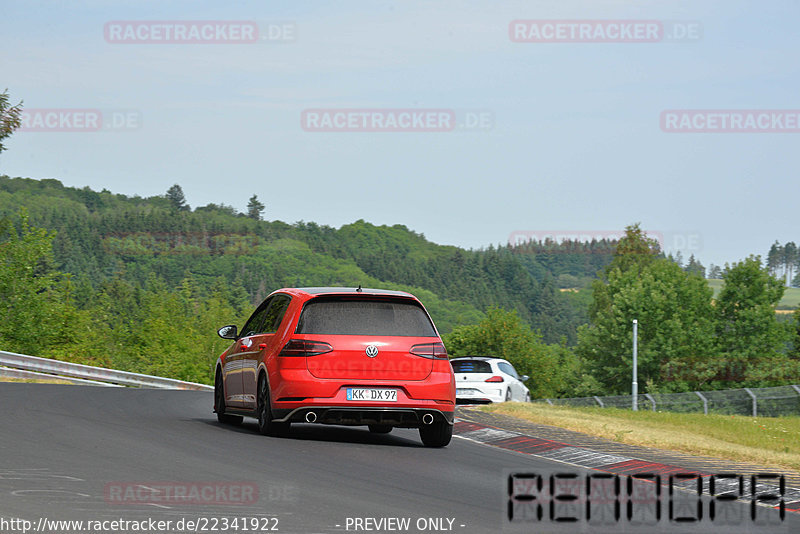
[(338, 356)]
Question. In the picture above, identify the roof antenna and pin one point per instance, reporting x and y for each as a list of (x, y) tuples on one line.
[(358, 289)]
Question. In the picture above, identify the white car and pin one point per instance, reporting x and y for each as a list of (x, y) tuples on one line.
[(484, 380)]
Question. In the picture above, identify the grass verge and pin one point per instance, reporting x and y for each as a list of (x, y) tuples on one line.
[(767, 441), (34, 380)]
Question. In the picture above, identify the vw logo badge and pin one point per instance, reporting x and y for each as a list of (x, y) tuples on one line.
[(372, 351)]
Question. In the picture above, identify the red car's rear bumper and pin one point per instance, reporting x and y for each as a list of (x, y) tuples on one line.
[(300, 393), (366, 415)]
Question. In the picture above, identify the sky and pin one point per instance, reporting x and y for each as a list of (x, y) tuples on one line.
[(471, 122)]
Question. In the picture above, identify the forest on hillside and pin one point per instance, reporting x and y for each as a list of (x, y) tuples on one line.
[(101, 236), (142, 284)]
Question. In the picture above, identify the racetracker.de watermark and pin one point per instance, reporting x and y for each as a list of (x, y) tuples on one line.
[(395, 120), (603, 31), (198, 32), (195, 493), (79, 120), (730, 121), (378, 120)]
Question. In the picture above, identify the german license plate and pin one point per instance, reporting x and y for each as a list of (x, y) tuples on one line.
[(371, 394)]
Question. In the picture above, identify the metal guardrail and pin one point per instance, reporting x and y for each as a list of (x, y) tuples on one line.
[(768, 401), (47, 368)]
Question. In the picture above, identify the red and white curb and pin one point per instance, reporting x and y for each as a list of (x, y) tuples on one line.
[(621, 465)]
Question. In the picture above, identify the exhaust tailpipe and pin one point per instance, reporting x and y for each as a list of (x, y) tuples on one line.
[(427, 419), (311, 417)]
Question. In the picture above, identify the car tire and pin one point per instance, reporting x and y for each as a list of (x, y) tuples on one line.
[(266, 425), (380, 429), (436, 434), (219, 404)]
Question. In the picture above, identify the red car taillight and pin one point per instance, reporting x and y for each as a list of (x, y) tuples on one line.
[(302, 347), (495, 378), (429, 350)]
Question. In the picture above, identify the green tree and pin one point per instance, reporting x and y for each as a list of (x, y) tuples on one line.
[(155, 329), (695, 267), (502, 334), (675, 318), (796, 266), (775, 258), (749, 336), (255, 208), (10, 118), (177, 199), (795, 351), (34, 299), (634, 249)]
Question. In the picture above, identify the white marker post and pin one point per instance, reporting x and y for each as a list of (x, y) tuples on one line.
[(635, 385)]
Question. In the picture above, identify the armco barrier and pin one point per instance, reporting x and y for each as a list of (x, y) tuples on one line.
[(55, 368)]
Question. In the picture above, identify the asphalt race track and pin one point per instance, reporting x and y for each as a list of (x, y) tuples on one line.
[(104, 454)]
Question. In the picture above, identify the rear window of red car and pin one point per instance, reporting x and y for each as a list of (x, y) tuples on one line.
[(364, 316)]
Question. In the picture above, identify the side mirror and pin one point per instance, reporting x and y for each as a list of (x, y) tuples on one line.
[(524, 378), (228, 332)]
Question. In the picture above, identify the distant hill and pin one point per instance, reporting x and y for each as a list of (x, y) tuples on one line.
[(101, 235)]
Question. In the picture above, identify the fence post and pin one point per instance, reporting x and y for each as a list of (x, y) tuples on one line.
[(651, 399), (705, 402), (755, 402), (796, 388), (635, 383), (599, 401), (549, 402)]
